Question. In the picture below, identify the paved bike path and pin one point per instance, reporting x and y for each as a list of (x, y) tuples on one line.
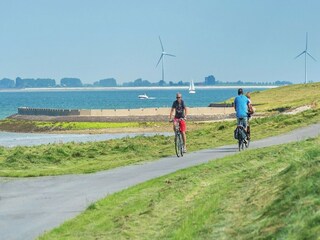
[(28, 207)]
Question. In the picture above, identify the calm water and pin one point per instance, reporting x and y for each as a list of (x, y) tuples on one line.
[(109, 99)]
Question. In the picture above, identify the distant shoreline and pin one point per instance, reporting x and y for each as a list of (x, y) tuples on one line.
[(128, 88)]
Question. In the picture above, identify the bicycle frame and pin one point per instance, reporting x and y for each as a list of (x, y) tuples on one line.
[(242, 141), (178, 139)]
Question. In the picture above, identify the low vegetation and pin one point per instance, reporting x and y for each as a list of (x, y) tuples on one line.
[(287, 98), (43, 126), (270, 193), (71, 158)]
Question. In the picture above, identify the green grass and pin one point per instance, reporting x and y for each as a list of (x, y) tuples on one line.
[(287, 97), (72, 158), (40, 126), (270, 193)]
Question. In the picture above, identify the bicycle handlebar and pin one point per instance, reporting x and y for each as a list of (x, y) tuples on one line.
[(180, 119)]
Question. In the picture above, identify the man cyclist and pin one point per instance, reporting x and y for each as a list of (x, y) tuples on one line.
[(241, 105), (180, 113)]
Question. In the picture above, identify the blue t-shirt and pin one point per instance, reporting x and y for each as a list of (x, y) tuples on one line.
[(241, 103)]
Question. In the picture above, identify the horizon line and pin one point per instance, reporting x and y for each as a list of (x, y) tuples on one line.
[(131, 88)]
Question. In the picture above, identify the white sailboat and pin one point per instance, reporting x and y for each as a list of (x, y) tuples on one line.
[(191, 87)]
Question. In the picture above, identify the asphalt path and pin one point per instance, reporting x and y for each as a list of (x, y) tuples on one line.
[(29, 207)]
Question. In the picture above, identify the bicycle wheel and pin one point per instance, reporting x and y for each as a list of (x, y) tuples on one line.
[(181, 145), (177, 145), (248, 143)]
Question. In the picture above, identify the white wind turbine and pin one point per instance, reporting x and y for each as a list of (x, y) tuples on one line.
[(305, 52), (162, 58)]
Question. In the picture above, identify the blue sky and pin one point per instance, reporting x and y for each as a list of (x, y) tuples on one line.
[(248, 40)]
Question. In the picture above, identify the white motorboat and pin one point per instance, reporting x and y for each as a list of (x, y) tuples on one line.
[(143, 96), (191, 87)]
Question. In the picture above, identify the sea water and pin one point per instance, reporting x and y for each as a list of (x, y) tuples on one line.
[(109, 98)]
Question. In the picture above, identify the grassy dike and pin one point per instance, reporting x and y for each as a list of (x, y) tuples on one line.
[(270, 193), (72, 158), (286, 98), (42, 126)]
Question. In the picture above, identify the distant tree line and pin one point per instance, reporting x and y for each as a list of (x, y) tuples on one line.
[(39, 83), (111, 82), (31, 82)]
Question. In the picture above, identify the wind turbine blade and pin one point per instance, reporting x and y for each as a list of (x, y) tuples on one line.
[(171, 55), (300, 54), (306, 41), (159, 60), (161, 44), (311, 56)]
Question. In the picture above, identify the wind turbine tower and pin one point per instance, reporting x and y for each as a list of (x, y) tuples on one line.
[(163, 54), (305, 52)]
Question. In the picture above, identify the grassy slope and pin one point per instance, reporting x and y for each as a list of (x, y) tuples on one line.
[(40, 126), (270, 193), (287, 97), (69, 158)]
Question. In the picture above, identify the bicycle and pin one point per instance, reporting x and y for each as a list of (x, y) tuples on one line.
[(242, 136), (178, 141)]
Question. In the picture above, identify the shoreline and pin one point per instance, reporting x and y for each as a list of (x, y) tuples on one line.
[(64, 89)]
